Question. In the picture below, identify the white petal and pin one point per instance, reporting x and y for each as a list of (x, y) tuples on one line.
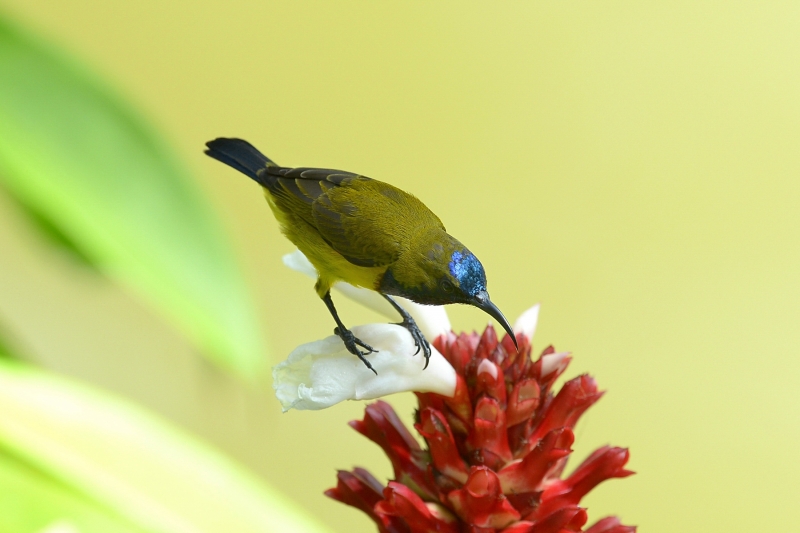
[(526, 323), (488, 367), (323, 373), (432, 320), (298, 262), (552, 361)]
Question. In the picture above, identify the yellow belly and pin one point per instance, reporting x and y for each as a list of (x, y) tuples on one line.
[(331, 266)]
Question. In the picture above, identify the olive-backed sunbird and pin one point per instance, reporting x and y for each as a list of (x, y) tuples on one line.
[(367, 233)]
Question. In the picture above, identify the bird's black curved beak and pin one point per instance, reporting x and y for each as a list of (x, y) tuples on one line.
[(482, 301)]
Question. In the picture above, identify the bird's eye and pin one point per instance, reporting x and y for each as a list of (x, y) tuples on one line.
[(447, 286)]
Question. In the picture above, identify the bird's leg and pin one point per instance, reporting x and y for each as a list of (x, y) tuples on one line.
[(351, 342), (411, 326)]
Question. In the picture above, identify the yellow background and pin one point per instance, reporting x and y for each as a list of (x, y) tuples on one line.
[(633, 166)]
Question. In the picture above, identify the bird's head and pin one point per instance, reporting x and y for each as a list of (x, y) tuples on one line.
[(446, 273), (465, 280), (461, 277)]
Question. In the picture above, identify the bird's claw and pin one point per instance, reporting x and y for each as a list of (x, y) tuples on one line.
[(351, 342), (419, 339)]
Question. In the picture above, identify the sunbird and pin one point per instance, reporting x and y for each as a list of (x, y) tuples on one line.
[(368, 233)]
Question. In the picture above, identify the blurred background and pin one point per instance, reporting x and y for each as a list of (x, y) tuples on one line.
[(632, 166)]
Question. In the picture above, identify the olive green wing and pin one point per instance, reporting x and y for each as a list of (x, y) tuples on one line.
[(347, 210)]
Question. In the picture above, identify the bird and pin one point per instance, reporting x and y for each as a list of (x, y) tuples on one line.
[(367, 233)]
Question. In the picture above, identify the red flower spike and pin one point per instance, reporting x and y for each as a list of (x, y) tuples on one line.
[(481, 502), (487, 344), (460, 404), (495, 451), (491, 382), (547, 351), (553, 365), (460, 351), (443, 342), (444, 452), (515, 355), (499, 355), (561, 521), (605, 463), (610, 524), (401, 502), (358, 489), (520, 527), (523, 402), (489, 432), (440, 512), (528, 473), (382, 426), (572, 400), (545, 370), (476, 529), (524, 502)]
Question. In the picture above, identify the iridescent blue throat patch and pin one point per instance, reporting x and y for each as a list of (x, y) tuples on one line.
[(466, 268)]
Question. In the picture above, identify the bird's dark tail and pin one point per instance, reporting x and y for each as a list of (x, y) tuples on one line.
[(240, 155)]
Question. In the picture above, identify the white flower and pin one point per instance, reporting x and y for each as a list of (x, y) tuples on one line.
[(526, 323), (322, 373)]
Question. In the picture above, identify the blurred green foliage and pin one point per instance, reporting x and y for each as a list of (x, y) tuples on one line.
[(100, 183), (73, 455), (52, 233), (97, 183), (5, 350), (34, 501)]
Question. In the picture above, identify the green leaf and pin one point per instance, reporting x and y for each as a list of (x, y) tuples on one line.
[(83, 161), (5, 347), (128, 466), (31, 501), (52, 233)]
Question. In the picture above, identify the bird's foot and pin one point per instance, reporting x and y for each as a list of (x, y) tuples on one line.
[(351, 342), (419, 339)]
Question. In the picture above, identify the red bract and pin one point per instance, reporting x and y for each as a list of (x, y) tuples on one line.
[(495, 452)]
